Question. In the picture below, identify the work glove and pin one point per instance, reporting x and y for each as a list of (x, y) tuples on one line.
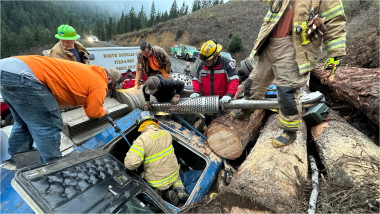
[(225, 99), (147, 106), (194, 95), (315, 28), (331, 64), (175, 99)]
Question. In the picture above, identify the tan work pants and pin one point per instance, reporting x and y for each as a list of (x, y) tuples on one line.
[(277, 62)]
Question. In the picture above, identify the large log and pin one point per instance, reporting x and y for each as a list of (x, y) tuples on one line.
[(342, 148), (358, 86), (268, 178), (228, 137)]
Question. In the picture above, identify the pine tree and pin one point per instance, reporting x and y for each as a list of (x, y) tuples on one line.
[(142, 19), (173, 10), (184, 9), (132, 19), (215, 2), (152, 17), (221, 2)]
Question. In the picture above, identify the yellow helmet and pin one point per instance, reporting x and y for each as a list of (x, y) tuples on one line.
[(209, 50)]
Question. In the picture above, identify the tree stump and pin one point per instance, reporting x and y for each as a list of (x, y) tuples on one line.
[(358, 86), (268, 178), (345, 151), (228, 137)]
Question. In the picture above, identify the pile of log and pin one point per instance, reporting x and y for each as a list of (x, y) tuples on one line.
[(358, 86), (344, 149), (268, 178), (228, 137)]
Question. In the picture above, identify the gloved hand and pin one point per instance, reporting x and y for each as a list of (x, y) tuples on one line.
[(331, 64), (225, 99), (175, 99), (147, 106), (315, 28), (194, 95)]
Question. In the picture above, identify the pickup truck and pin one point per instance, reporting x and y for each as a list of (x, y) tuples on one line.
[(189, 53)]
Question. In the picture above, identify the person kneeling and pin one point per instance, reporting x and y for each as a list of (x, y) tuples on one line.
[(154, 149), (162, 89)]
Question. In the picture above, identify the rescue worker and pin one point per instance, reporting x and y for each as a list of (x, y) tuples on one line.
[(186, 69), (67, 47), (151, 61), (128, 80), (287, 49), (154, 149), (35, 86), (215, 74), (162, 89)]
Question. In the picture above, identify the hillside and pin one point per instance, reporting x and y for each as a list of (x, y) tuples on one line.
[(220, 22)]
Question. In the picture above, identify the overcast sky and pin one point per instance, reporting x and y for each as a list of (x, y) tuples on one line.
[(116, 7)]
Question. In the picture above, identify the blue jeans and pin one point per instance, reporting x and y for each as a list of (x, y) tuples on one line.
[(36, 114)]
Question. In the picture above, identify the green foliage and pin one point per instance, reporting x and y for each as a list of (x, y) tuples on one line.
[(235, 44), (211, 16)]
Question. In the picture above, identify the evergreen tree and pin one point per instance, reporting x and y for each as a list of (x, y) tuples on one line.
[(142, 19), (173, 10), (165, 16), (221, 2), (133, 19), (184, 9), (152, 17), (235, 44), (120, 24), (215, 2)]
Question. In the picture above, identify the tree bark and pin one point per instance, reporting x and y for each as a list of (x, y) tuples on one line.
[(345, 151), (358, 86), (228, 137), (268, 178)]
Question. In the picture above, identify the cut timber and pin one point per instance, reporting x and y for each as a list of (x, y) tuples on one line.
[(228, 137), (358, 86), (268, 178), (343, 148)]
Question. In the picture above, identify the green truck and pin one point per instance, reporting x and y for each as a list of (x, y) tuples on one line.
[(189, 53)]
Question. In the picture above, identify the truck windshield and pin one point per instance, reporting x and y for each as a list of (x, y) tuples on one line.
[(191, 48)]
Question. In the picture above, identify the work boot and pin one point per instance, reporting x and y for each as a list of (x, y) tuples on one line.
[(182, 195), (240, 113), (286, 138), (171, 196)]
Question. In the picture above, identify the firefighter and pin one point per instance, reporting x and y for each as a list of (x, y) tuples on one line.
[(67, 47), (162, 89), (186, 69), (151, 61), (287, 49), (215, 75), (128, 80), (154, 149), (35, 86)]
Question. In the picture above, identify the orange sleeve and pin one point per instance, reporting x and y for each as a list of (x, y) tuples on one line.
[(94, 103)]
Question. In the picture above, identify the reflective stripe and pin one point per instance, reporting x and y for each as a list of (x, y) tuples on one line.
[(196, 79), (138, 150), (273, 17), (253, 53), (159, 155), (157, 135), (304, 68), (333, 12), (161, 182), (233, 77), (294, 124), (215, 71), (178, 183), (336, 43)]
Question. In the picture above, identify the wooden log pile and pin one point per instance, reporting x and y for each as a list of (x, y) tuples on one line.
[(228, 137), (358, 86), (268, 178)]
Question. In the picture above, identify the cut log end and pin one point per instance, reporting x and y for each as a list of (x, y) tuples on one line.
[(224, 142)]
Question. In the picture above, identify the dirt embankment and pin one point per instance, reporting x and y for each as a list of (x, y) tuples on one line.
[(220, 22)]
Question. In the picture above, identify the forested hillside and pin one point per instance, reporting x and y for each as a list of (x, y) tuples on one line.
[(28, 24)]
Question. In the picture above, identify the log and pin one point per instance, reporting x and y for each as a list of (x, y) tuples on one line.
[(228, 137), (358, 86), (344, 149), (268, 178)]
